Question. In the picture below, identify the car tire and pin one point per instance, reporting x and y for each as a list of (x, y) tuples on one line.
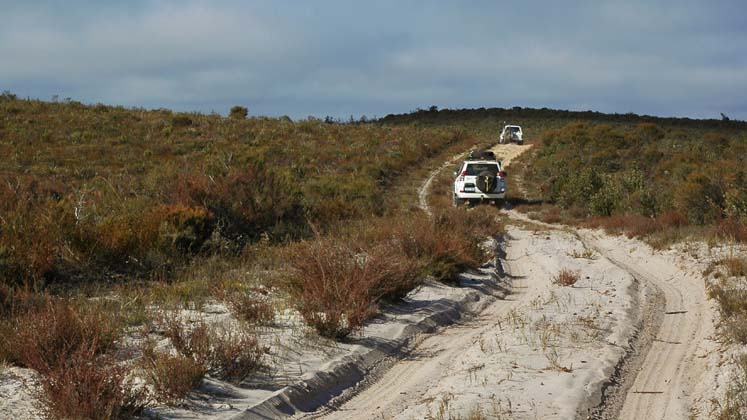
[(458, 201)]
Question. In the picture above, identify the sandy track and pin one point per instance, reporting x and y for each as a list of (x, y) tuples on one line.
[(508, 152), (658, 379), (406, 383), (675, 363), (543, 352)]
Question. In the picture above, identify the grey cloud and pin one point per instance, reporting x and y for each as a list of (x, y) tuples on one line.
[(340, 58)]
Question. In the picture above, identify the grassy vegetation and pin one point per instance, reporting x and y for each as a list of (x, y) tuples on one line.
[(337, 281), (645, 179), (92, 192), (111, 216)]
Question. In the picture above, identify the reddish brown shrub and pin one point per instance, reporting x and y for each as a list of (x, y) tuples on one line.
[(69, 347), (27, 249), (635, 225), (172, 376), (335, 284), (86, 385), (236, 354), (251, 307), (731, 229), (565, 277), (551, 215), (191, 342), (245, 201), (455, 240), (43, 338), (671, 219), (227, 353), (186, 228)]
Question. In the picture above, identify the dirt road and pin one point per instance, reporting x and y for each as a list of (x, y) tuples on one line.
[(549, 352), (520, 356), (667, 381)]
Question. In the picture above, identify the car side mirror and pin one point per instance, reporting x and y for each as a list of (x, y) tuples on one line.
[(455, 173)]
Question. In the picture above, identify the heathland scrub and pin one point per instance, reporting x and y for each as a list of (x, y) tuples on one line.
[(540, 333)]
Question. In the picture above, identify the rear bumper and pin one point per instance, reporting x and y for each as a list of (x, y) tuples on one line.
[(479, 196)]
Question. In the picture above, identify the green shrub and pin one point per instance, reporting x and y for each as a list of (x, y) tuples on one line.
[(238, 112)]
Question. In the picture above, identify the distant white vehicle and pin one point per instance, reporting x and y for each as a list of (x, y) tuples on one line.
[(512, 133), (480, 178)]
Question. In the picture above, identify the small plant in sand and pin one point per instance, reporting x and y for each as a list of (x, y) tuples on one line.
[(586, 254), (566, 277), (172, 376), (553, 357)]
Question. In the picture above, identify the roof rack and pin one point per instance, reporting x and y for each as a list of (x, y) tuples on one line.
[(481, 155)]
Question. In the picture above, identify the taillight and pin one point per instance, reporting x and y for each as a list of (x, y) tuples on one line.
[(464, 173), (502, 174)]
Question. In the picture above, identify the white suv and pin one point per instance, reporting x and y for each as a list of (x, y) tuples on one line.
[(480, 180), (512, 133)]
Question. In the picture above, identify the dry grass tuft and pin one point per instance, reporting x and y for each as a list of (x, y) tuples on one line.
[(734, 404), (566, 277), (172, 376)]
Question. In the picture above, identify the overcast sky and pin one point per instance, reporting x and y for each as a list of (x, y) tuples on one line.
[(343, 57)]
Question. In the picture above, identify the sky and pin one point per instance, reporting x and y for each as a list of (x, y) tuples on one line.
[(345, 57)]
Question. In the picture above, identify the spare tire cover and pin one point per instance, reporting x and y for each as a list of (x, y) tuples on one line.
[(486, 181)]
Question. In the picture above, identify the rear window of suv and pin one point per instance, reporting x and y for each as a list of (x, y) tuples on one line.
[(477, 168)]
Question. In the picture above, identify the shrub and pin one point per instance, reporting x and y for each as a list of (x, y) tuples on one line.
[(731, 229), (193, 343), (238, 112), (27, 235), (186, 228), (245, 202), (249, 306), (644, 170), (565, 277), (700, 199), (70, 347), (227, 353), (236, 354), (181, 120), (172, 376), (734, 404), (336, 284), (87, 385), (731, 295), (43, 338)]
